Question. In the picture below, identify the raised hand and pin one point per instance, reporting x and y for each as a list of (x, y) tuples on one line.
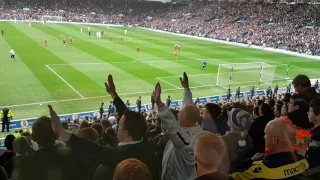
[(110, 87), (55, 121), (184, 81), (56, 125), (157, 95)]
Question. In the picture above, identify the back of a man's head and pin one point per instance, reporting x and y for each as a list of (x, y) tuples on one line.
[(132, 169), (213, 109), (265, 110), (135, 124), (209, 150), (188, 116), (280, 136), (42, 132), (301, 83), (8, 142), (21, 145), (105, 124), (97, 127), (89, 133), (84, 124)]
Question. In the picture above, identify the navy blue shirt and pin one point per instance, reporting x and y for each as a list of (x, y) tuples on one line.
[(252, 91), (238, 91), (101, 109), (228, 94), (204, 64), (139, 102), (316, 85)]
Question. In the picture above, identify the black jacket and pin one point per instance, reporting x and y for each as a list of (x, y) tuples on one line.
[(110, 157), (312, 93), (256, 132), (49, 163), (313, 151)]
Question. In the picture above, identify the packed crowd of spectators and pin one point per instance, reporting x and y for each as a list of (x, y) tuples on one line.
[(264, 24), (270, 137)]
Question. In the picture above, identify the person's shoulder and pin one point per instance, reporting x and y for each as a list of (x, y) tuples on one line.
[(316, 134)]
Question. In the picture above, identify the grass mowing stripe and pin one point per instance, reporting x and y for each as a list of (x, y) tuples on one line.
[(137, 70), (70, 74), (36, 57)]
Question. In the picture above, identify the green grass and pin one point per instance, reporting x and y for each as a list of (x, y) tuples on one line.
[(85, 65)]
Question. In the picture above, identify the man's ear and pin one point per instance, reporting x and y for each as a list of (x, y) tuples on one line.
[(296, 107)]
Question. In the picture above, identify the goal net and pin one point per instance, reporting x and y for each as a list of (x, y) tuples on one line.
[(52, 18), (246, 74)]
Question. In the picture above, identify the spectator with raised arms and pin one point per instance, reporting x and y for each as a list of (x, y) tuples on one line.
[(178, 159)]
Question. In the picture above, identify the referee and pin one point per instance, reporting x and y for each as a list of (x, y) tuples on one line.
[(12, 54), (2, 32), (6, 115)]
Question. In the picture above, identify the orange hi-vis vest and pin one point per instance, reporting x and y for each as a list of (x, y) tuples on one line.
[(302, 137)]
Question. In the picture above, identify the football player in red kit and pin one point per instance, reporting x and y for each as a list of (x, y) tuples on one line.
[(64, 41), (70, 39), (110, 38), (45, 41), (138, 49)]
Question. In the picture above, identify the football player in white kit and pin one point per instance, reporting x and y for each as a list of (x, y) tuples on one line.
[(125, 32)]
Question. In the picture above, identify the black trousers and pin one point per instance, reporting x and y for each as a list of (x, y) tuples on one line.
[(5, 122), (237, 96)]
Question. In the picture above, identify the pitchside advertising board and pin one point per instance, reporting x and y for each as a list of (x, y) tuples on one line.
[(27, 123)]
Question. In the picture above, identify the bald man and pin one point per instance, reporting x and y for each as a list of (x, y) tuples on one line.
[(282, 162), (209, 151), (178, 158)]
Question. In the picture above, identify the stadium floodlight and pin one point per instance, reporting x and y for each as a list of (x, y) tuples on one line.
[(235, 75)]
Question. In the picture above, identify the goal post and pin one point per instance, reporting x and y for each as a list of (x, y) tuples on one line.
[(235, 75), (52, 18)]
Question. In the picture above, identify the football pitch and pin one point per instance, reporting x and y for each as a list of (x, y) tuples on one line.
[(72, 78)]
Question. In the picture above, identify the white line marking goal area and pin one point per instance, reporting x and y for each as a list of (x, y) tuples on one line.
[(65, 81)]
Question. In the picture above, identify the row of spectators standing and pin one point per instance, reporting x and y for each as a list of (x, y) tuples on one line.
[(232, 140)]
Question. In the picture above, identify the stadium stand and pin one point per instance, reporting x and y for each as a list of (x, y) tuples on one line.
[(237, 140), (285, 26)]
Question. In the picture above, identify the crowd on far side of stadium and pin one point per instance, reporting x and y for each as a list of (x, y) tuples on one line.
[(293, 27)]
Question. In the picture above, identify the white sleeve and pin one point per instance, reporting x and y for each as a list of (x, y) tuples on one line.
[(178, 136)]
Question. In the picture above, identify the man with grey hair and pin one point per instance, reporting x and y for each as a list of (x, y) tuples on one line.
[(178, 159)]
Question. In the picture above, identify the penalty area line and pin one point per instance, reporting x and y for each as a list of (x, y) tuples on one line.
[(64, 81), (106, 96), (168, 83)]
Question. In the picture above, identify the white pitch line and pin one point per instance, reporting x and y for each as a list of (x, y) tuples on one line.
[(168, 83), (65, 81), (77, 99)]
